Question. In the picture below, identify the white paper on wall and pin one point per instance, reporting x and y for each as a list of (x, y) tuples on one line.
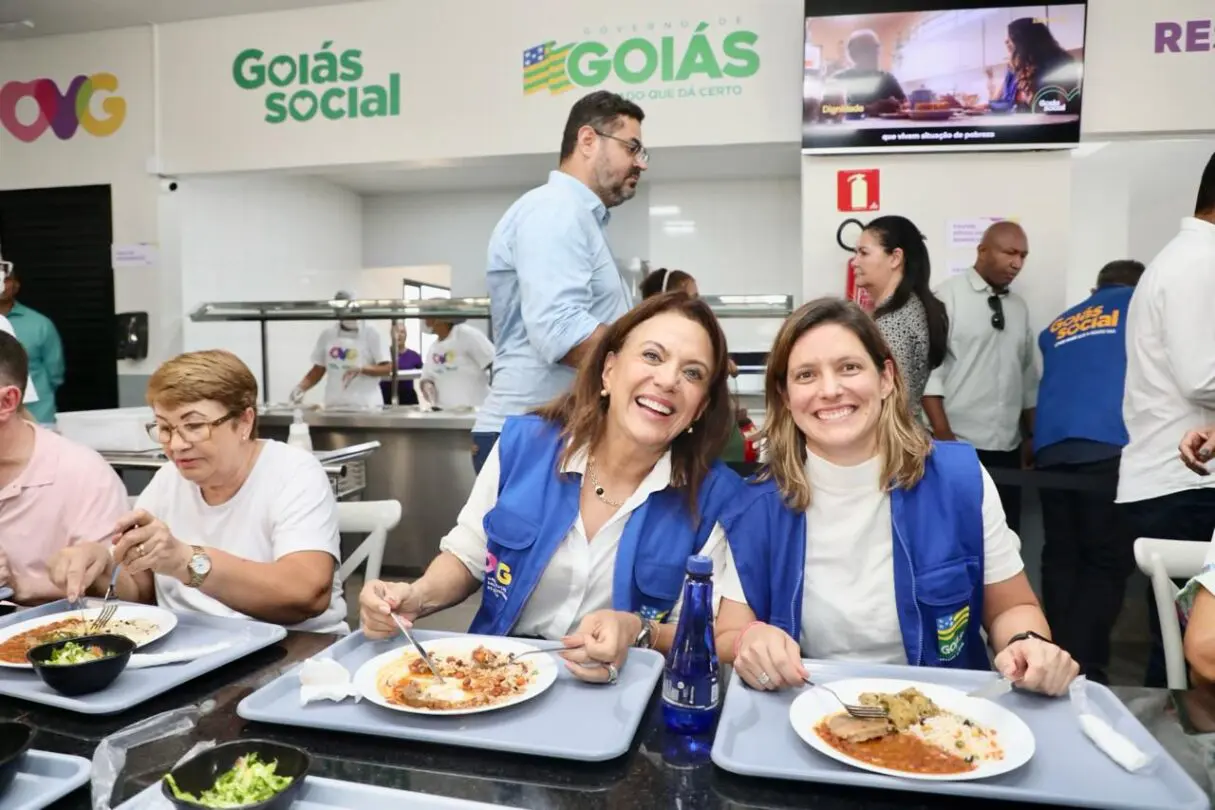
[(140, 254)]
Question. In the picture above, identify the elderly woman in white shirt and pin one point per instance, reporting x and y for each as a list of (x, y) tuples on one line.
[(233, 525), (581, 522)]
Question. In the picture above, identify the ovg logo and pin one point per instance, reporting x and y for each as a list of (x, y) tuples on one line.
[(326, 83), (63, 112), (695, 62), (951, 633)]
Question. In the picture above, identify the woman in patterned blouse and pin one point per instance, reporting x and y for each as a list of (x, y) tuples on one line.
[(892, 266)]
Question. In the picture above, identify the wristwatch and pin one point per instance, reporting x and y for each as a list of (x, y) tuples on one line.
[(198, 566), (1029, 634), (648, 635)]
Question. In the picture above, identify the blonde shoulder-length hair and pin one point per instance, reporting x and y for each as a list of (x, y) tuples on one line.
[(902, 443)]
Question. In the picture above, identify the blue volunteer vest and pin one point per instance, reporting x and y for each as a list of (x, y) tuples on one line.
[(537, 507), (938, 559), (1084, 372)]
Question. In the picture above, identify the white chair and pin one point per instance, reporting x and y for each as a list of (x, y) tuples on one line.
[(377, 519), (1163, 561)]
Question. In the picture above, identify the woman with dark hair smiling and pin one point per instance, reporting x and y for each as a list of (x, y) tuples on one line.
[(892, 266), (1036, 60), (581, 521)]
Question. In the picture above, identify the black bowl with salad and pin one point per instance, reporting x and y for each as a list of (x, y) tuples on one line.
[(82, 665), (239, 775)]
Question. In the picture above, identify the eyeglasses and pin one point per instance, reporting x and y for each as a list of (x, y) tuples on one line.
[(997, 311), (190, 432), (633, 147)]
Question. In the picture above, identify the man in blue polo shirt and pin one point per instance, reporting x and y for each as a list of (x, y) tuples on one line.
[(1079, 431), (553, 282)]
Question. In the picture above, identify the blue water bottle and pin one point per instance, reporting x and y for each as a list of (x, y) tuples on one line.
[(691, 682)]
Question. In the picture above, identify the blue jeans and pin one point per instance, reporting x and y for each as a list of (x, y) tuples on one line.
[(482, 444)]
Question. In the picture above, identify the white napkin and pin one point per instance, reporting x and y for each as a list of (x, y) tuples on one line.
[(1116, 746), (142, 660), (325, 679)]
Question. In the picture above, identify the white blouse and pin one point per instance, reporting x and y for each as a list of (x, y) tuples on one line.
[(848, 607), (578, 578)]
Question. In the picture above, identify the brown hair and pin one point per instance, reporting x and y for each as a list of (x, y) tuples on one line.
[(664, 280), (214, 374), (582, 413), (902, 444)]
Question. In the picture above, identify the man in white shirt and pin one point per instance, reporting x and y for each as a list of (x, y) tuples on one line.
[(31, 394), (352, 358), (1170, 390), (455, 371), (986, 390)]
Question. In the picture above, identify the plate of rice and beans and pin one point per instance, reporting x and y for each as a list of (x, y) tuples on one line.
[(932, 732)]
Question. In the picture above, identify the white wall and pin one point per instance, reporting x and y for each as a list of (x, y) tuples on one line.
[(453, 228), (260, 238), (119, 159), (1034, 188)]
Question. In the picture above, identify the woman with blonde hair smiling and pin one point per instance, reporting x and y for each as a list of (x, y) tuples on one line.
[(233, 525), (581, 522), (866, 540)]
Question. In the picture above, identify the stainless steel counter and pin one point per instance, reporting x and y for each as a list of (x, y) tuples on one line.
[(424, 461), (345, 467)]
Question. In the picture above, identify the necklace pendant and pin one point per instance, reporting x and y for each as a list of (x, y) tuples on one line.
[(599, 491)]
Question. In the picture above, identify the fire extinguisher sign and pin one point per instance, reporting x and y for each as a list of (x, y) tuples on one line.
[(858, 190)]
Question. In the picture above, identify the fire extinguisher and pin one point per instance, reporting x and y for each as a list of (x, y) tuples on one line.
[(851, 291)]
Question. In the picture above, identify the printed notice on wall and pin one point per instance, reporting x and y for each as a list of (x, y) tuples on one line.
[(140, 254), (957, 268), (967, 233)]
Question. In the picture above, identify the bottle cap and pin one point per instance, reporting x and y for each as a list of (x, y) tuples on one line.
[(700, 566)]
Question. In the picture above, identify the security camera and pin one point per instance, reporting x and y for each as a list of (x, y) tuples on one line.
[(168, 184)]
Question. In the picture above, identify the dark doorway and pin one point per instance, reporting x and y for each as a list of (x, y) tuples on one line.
[(58, 240)]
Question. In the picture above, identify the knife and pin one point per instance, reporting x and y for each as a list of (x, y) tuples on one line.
[(409, 637), (993, 690)]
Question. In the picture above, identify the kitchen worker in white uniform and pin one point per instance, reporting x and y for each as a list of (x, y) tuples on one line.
[(30, 394), (351, 357), (455, 371)]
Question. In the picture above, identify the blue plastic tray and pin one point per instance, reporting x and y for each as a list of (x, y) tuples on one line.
[(553, 724), (332, 794), (43, 778), (134, 686), (755, 738)]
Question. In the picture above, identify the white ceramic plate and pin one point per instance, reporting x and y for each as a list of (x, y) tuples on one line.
[(1013, 735), (164, 620), (545, 665)]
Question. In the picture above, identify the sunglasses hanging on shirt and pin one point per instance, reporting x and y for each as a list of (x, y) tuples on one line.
[(997, 310)]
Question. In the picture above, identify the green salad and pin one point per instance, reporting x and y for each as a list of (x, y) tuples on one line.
[(73, 653), (250, 781)]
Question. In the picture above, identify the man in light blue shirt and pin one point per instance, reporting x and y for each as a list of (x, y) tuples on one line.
[(553, 282), (41, 340)]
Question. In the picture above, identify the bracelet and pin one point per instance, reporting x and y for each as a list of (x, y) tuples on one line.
[(1029, 634), (743, 632)]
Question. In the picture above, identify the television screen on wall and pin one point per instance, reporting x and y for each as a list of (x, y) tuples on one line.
[(895, 75)]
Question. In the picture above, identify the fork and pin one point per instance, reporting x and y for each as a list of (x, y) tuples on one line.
[(854, 709), (103, 618), (108, 606), (512, 657)]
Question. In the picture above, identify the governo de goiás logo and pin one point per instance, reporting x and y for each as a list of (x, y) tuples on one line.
[(325, 83), (678, 59), (28, 109)]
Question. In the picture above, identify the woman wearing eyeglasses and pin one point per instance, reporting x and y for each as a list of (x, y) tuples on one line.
[(233, 525)]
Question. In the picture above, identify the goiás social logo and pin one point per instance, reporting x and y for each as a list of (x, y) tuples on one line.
[(675, 59), (327, 83), (29, 108)]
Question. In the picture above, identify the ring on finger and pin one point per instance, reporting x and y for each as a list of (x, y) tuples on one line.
[(139, 549), (613, 674), (763, 679)]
